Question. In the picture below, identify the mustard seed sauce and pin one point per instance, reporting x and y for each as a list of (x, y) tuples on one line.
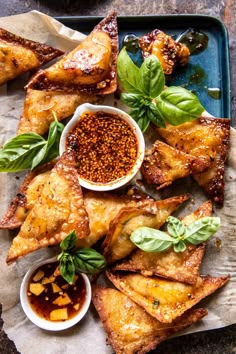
[(72, 297), (106, 147)]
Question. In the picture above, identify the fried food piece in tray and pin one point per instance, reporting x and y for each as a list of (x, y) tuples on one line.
[(169, 52), (182, 266), (164, 164), (89, 68), (19, 55), (129, 328), (117, 244), (161, 298), (208, 139), (58, 211), (38, 109)]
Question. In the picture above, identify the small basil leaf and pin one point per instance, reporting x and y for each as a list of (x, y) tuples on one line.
[(178, 105), (152, 77), (201, 230), (131, 99), (151, 240), (53, 141), (88, 260), (67, 267), (69, 242), (175, 227), (154, 116), (143, 123), (18, 153), (128, 73), (179, 247)]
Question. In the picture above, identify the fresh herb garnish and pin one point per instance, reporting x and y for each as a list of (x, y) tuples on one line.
[(148, 98), (152, 240), (28, 150), (74, 260)]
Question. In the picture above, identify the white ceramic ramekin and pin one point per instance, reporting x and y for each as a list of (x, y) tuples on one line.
[(87, 107), (41, 322)]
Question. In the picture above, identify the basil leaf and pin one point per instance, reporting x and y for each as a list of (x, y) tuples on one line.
[(143, 123), (178, 105), (179, 247), (69, 242), (131, 99), (53, 141), (67, 267), (128, 73), (19, 153), (201, 230), (154, 116), (88, 260), (152, 77), (175, 227), (151, 240)]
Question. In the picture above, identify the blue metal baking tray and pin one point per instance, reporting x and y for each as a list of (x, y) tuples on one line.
[(206, 70)]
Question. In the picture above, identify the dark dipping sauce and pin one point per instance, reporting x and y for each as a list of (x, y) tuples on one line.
[(43, 305), (105, 145)]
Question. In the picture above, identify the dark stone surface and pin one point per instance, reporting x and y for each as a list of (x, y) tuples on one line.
[(221, 341)]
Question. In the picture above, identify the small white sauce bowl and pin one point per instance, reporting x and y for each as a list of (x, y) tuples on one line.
[(87, 107), (41, 322)]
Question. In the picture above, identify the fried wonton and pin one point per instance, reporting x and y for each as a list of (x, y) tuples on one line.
[(58, 211), (19, 55), (39, 106), (26, 197), (164, 164), (165, 299), (117, 244), (90, 67), (102, 208), (182, 266), (129, 328), (170, 53), (208, 139)]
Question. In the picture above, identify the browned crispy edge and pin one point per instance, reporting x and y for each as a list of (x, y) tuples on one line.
[(44, 52)]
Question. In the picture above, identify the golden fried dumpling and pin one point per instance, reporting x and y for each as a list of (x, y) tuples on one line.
[(182, 266), (39, 106), (207, 138), (129, 328), (58, 211), (117, 244), (169, 52), (26, 197), (19, 55), (165, 299), (163, 164), (90, 67)]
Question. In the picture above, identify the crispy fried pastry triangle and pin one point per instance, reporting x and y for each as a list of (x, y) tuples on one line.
[(117, 244), (208, 139), (19, 55), (90, 67), (164, 164), (164, 299), (58, 211), (38, 107), (169, 52), (26, 197), (182, 266), (129, 328)]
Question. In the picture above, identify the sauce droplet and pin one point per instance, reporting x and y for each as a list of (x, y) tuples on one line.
[(196, 41), (130, 42)]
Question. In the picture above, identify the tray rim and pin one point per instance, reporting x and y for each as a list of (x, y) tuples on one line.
[(215, 20)]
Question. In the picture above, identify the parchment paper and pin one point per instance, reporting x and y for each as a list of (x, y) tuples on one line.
[(88, 336)]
